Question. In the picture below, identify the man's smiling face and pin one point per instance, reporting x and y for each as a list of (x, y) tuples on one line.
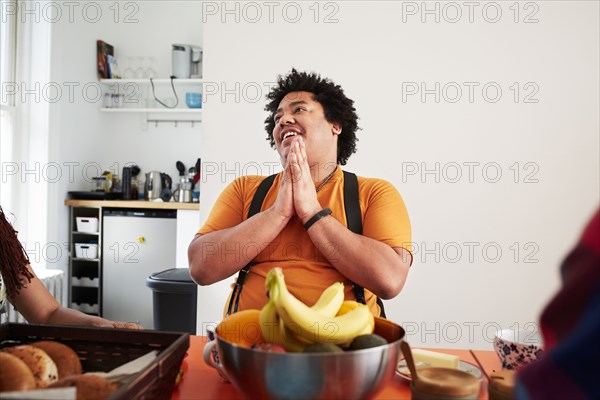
[(299, 114)]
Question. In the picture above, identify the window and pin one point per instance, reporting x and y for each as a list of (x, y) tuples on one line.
[(8, 41), (24, 123)]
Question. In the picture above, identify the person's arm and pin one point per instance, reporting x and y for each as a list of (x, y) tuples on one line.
[(38, 306), (217, 255), (365, 261)]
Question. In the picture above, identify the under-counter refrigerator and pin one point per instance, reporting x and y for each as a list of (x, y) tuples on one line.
[(136, 243)]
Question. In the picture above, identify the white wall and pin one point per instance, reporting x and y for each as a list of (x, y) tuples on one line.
[(88, 139), (375, 50)]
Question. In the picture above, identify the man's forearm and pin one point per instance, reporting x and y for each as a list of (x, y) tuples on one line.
[(365, 261), (218, 255)]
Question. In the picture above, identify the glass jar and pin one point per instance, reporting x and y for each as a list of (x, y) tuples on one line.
[(98, 184)]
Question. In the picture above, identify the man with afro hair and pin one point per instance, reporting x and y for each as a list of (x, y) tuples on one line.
[(301, 223)]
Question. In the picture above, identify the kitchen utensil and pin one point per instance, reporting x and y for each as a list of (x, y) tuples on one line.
[(187, 61), (260, 374), (154, 186), (135, 170), (479, 364), (182, 195), (409, 360), (197, 168), (192, 177), (180, 168)]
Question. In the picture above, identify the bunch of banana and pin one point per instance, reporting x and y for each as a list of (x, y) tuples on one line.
[(289, 322)]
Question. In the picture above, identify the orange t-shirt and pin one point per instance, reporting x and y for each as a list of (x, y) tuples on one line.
[(307, 271)]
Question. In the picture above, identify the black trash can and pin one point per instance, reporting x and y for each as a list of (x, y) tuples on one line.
[(174, 296)]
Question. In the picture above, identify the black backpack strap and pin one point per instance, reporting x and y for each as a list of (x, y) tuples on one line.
[(255, 206), (261, 193), (351, 203), (354, 222)]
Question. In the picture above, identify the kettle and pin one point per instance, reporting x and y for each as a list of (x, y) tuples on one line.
[(187, 61), (154, 186)]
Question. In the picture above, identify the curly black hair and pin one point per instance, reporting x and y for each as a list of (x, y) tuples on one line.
[(337, 107)]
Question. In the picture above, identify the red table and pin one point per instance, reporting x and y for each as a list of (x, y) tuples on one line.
[(203, 382)]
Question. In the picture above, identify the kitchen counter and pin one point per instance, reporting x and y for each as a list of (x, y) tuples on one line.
[(132, 204)]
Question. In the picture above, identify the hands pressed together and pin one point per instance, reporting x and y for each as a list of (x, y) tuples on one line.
[(297, 194)]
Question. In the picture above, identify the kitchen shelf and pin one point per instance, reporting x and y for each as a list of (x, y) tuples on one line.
[(174, 115), (191, 111), (147, 81), (84, 267)]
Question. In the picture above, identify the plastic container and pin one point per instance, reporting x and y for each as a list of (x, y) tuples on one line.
[(193, 100), (87, 224), (86, 250), (85, 282), (86, 307), (174, 295)]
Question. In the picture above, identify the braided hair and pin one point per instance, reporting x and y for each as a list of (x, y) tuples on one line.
[(13, 259)]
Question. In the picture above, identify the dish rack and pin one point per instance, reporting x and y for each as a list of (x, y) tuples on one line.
[(103, 349)]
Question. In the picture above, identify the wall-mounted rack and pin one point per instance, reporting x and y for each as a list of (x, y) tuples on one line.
[(177, 115)]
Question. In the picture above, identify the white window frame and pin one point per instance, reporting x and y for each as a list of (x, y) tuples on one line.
[(8, 112)]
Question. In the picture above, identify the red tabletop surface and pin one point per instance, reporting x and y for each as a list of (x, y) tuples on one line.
[(203, 382)]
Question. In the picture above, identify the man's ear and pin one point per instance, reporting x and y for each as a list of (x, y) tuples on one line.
[(337, 128)]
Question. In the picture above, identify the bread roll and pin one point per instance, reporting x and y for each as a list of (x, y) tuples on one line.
[(41, 365), (66, 360), (14, 374), (87, 386)]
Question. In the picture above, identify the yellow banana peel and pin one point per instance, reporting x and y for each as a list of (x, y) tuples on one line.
[(307, 324)]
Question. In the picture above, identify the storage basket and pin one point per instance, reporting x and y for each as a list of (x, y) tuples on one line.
[(87, 224), (85, 282), (103, 349), (86, 308), (86, 250)]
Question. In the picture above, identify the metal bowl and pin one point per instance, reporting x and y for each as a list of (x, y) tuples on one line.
[(348, 375)]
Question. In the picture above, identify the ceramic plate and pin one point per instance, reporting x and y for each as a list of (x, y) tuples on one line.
[(472, 369)]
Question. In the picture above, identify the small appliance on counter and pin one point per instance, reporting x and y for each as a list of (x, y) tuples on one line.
[(130, 186), (183, 194), (187, 61), (153, 186), (158, 186)]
